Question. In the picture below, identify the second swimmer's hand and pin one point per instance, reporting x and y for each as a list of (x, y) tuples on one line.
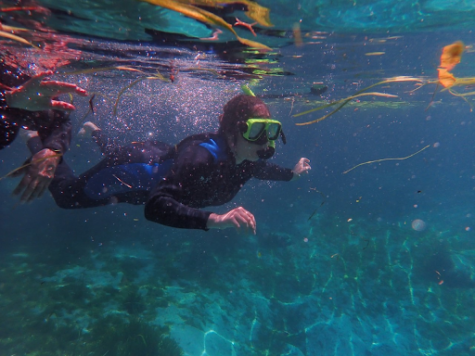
[(38, 94), (238, 218), (38, 175)]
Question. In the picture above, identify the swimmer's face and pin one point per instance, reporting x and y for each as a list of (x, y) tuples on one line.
[(246, 150)]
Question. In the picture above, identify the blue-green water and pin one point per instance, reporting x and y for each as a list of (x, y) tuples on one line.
[(347, 277)]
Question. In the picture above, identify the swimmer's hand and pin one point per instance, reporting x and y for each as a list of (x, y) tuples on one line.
[(38, 94), (239, 218), (37, 175), (302, 166)]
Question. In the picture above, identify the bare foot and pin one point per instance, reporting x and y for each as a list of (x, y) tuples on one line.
[(28, 134), (87, 129)]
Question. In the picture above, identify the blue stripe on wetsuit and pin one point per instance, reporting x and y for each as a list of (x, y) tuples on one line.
[(133, 177), (215, 147)]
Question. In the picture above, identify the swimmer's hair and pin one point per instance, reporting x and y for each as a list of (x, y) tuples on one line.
[(238, 110)]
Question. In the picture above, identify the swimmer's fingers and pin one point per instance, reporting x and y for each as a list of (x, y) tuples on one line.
[(35, 81), (38, 94), (244, 218), (26, 188), (238, 218), (305, 163), (56, 88), (62, 105)]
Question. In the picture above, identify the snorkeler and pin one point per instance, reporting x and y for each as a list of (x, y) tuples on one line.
[(32, 105), (174, 182)]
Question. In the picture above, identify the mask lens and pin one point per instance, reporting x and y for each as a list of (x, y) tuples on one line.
[(273, 132), (256, 130)]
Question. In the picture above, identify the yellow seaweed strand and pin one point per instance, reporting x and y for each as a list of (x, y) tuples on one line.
[(399, 79), (387, 159), (204, 16), (218, 21), (357, 94), (463, 96), (454, 93), (343, 101), (254, 11), (103, 69), (258, 13), (13, 29), (16, 38)]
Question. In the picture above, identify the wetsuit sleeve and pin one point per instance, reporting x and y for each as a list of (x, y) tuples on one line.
[(10, 119), (106, 144), (57, 135), (8, 129), (169, 202), (269, 171)]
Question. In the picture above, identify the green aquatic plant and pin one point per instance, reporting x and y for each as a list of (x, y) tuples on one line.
[(114, 335), (360, 93), (133, 302)]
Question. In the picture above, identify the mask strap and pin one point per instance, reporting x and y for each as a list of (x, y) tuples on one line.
[(282, 136)]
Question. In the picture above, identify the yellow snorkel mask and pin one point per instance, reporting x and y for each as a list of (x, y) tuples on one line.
[(262, 130)]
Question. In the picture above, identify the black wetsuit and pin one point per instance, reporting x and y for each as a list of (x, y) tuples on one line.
[(200, 171), (53, 126)]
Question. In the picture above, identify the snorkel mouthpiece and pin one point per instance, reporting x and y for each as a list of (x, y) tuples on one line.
[(267, 152)]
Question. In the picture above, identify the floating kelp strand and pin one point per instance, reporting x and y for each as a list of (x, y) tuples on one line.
[(386, 159), (343, 101), (358, 94)]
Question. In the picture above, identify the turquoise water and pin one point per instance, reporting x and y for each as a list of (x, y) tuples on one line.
[(375, 261)]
